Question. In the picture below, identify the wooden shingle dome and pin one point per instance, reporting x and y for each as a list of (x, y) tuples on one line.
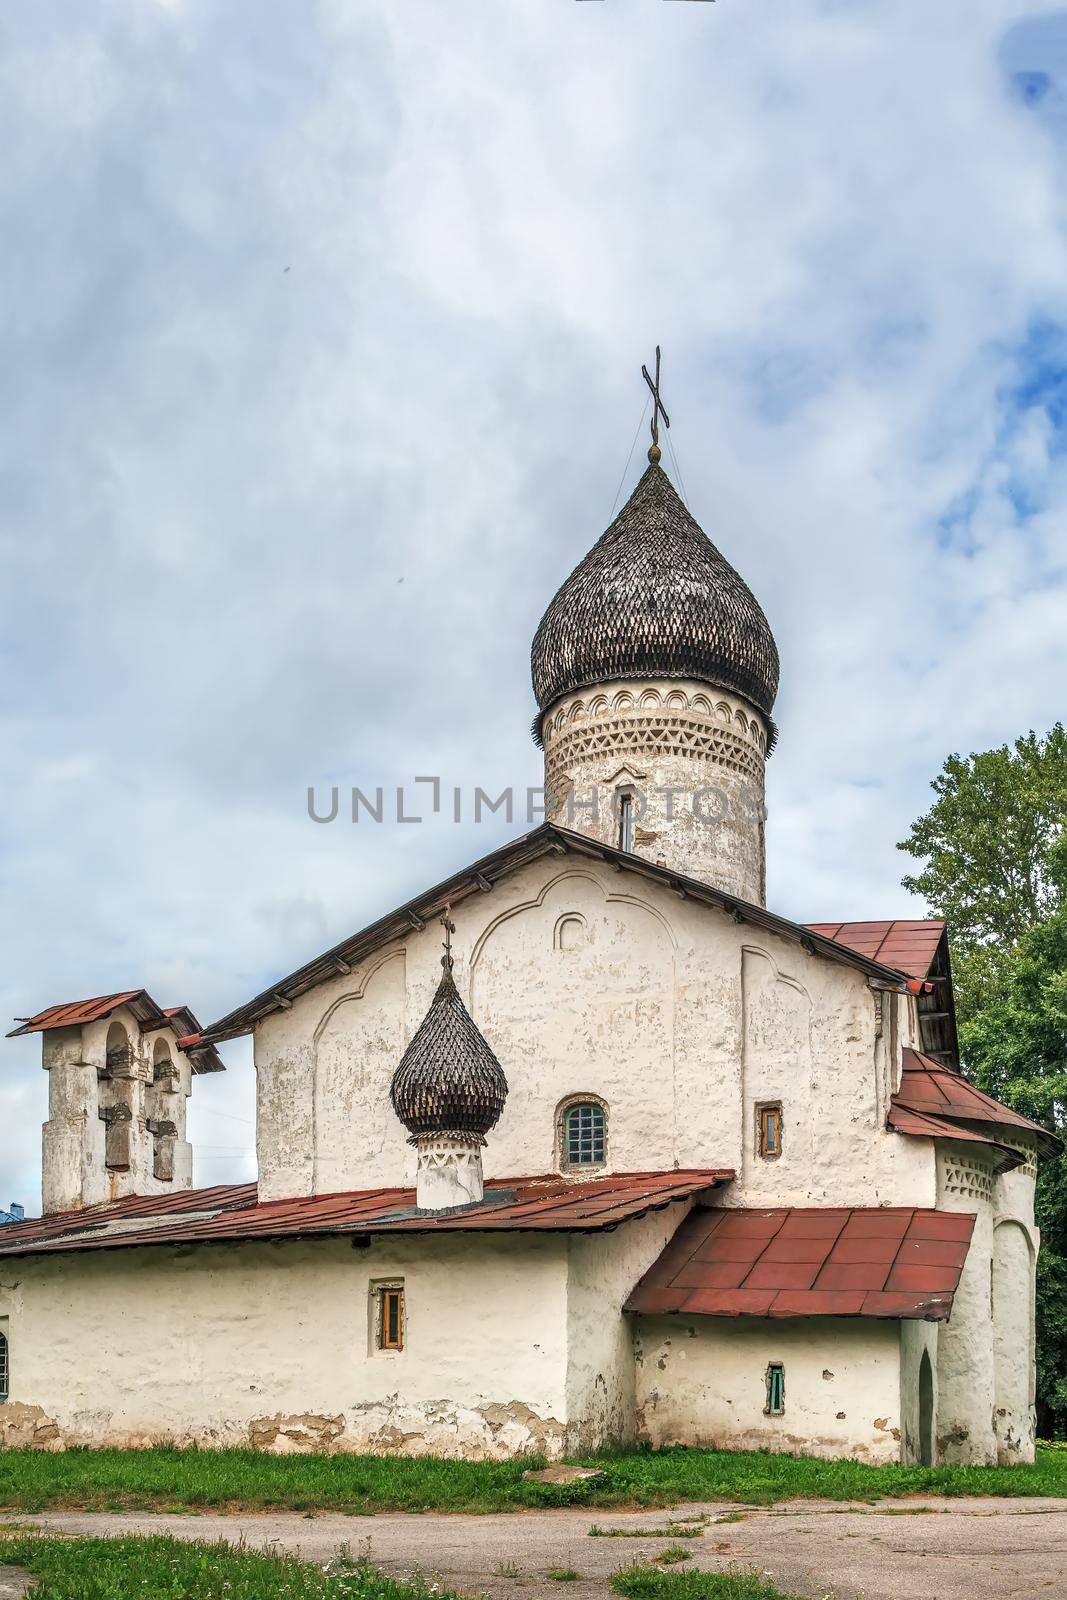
[(654, 598), (448, 1080)]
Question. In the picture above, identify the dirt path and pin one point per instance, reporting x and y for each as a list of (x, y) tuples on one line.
[(896, 1550)]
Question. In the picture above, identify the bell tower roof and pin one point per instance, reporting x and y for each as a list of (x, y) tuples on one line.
[(654, 598)]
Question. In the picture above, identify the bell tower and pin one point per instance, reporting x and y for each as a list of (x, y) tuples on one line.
[(120, 1071)]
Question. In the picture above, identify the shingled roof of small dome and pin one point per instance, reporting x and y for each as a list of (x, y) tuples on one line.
[(448, 1080), (654, 598)]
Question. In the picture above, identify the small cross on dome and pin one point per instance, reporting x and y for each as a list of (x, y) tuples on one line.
[(658, 410), (450, 927)]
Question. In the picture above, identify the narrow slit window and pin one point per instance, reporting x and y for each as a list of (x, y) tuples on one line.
[(391, 1317), (585, 1130), (769, 1130), (775, 1389), (4, 1374), (626, 822)]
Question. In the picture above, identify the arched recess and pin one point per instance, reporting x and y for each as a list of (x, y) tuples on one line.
[(164, 1070), (601, 1019), (926, 1410), (1012, 1293), (777, 1067), (116, 1102), (569, 875), (357, 1044)]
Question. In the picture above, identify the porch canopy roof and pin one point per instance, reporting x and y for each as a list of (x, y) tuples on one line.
[(803, 1262)]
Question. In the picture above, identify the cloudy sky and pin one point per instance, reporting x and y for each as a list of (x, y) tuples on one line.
[(320, 338)]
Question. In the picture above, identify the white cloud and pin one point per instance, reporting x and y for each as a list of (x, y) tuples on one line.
[(319, 364)]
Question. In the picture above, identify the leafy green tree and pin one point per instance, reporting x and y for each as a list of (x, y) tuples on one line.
[(987, 845), (1016, 1049), (995, 854)]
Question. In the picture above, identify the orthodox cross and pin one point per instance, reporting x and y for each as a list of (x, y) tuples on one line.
[(658, 410), (450, 927)]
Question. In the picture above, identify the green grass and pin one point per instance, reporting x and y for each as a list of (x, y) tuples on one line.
[(650, 1583), (563, 1575), (694, 1529), (171, 1569), (192, 1480), (672, 1555)]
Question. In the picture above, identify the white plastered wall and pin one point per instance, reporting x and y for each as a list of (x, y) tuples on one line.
[(1016, 1242), (675, 1015), (603, 1268), (917, 1339), (271, 1345), (965, 1368), (702, 1381)]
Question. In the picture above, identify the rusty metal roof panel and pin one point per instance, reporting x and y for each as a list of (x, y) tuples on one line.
[(930, 1090), (908, 946), (861, 1262), (73, 1013), (178, 1019), (232, 1212)]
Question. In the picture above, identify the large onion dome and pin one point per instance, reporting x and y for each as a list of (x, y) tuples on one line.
[(654, 598), (448, 1080)]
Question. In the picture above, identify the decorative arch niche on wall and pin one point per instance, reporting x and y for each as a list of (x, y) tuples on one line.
[(777, 1058), (1011, 1289), (570, 932), (356, 1046), (575, 874), (601, 1020)]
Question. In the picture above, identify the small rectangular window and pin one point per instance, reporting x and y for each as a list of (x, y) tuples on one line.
[(769, 1130), (390, 1317), (626, 822), (775, 1389)]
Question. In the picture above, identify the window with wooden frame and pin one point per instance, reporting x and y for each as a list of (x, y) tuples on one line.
[(5, 1375), (769, 1130), (389, 1316), (775, 1390)]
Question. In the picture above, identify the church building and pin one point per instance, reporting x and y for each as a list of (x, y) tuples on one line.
[(582, 1146)]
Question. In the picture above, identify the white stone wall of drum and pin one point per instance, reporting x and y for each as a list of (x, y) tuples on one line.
[(694, 757)]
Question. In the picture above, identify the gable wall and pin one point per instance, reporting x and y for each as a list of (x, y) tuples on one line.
[(589, 980)]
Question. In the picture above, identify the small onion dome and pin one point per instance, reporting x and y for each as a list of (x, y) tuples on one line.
[(655, 599), (448, 1081)]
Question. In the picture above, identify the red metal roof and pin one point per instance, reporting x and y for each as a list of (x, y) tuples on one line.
[(231, 1211), (179, 1019), (935, 1091), (906, 946), (870, 1262), (923, 1127), (73, 1012)]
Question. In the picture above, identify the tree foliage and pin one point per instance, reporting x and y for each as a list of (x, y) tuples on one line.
[(987, 846), (995, 868)]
